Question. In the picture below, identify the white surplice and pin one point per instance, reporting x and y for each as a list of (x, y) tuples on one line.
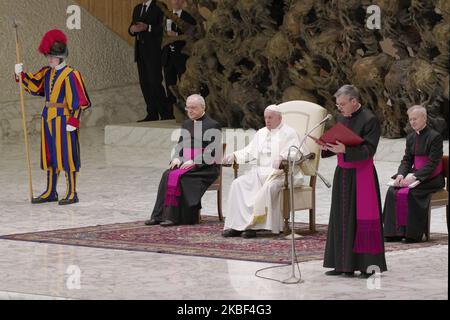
[(254, 198)]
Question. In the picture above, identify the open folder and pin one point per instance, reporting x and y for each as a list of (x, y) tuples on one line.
[(340, 133)]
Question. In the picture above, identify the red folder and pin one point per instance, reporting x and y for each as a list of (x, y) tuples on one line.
[(340, 133)]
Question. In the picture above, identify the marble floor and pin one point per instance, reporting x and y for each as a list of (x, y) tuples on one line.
[(118, 184)]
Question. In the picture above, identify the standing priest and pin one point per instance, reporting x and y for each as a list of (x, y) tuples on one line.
[(406, 209), (193, 169), (355, 235)]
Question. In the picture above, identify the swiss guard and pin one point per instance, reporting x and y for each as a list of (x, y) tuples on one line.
[(65, 99)]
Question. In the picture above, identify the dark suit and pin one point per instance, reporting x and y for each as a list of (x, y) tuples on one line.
[(148, 58), (173, 60)]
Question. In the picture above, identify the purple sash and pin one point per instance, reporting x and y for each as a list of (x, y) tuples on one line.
[(368, 225), (173, 178), (401, 201)]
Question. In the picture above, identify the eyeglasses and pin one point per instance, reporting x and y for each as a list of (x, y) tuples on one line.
[(191, 108), (339, 106)]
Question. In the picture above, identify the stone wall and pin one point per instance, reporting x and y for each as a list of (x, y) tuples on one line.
[(250, 54)]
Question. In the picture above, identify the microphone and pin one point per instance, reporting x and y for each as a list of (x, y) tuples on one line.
[(327, 118)]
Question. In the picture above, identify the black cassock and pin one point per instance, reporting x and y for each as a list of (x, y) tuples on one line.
[(194, 183), (427, 143), (339, 251)]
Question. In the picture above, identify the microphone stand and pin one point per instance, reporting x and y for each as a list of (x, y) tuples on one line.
[(293, 279)]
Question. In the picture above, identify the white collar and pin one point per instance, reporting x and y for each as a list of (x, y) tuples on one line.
[(178, 12), (419, 131), (200, 117), (277, 128), (148, 3), (60, 66)]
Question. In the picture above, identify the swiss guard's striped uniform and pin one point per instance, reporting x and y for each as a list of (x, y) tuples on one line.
[(65, 98)]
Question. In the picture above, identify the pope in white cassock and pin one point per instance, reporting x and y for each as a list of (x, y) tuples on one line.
[(255, 197)]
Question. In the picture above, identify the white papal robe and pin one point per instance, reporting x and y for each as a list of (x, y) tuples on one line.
[(254, 198)]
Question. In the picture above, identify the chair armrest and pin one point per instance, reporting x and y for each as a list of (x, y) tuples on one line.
[(284, 165), (235, 168)]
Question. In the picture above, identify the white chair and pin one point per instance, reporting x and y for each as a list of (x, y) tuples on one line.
[(303, 116)]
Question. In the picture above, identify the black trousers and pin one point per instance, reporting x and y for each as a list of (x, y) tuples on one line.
[(150, 79), (173, 70)]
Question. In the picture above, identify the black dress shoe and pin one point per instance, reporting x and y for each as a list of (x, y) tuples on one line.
[(38, 200), (65, 202), (393, 239), (231, 233), (333, 273), (146, 119), (365, 275), (247, 234), (410, 240), (167, 223), (152, 222), (349, 274)]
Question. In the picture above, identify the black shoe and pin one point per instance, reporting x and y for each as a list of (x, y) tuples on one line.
[(333, 273), (231, 233), (410, 240), (152, 222), (393, 239), (247, 234), (38, 200), (349, 274), (65, 202), (365, 275), (167, 223), (148, 118)]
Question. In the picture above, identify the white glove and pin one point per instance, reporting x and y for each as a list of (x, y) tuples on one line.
[(18, 68), (175, 163), (70, 128)]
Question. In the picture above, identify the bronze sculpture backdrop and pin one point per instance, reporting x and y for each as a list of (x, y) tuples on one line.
[(247, 54)]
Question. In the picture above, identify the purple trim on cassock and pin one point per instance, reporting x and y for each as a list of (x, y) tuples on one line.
[(401, 196), (173, 178), (368, 225)]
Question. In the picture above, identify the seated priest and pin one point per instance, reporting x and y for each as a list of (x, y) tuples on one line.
[(254, 200), (420, 174), (192, 170)]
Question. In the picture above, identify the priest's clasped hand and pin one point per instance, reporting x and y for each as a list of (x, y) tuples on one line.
[(187, 164), (175, 163), (407, 181)]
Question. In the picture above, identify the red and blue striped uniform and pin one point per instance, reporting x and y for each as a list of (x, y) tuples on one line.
[(65, 95)]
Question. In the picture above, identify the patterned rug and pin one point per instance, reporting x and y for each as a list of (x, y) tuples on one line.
[(203, 240)]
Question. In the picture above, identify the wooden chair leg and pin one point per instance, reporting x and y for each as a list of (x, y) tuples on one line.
[(286, 228), (447, 216), (312, 220), (219, 203), (427, 233)]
